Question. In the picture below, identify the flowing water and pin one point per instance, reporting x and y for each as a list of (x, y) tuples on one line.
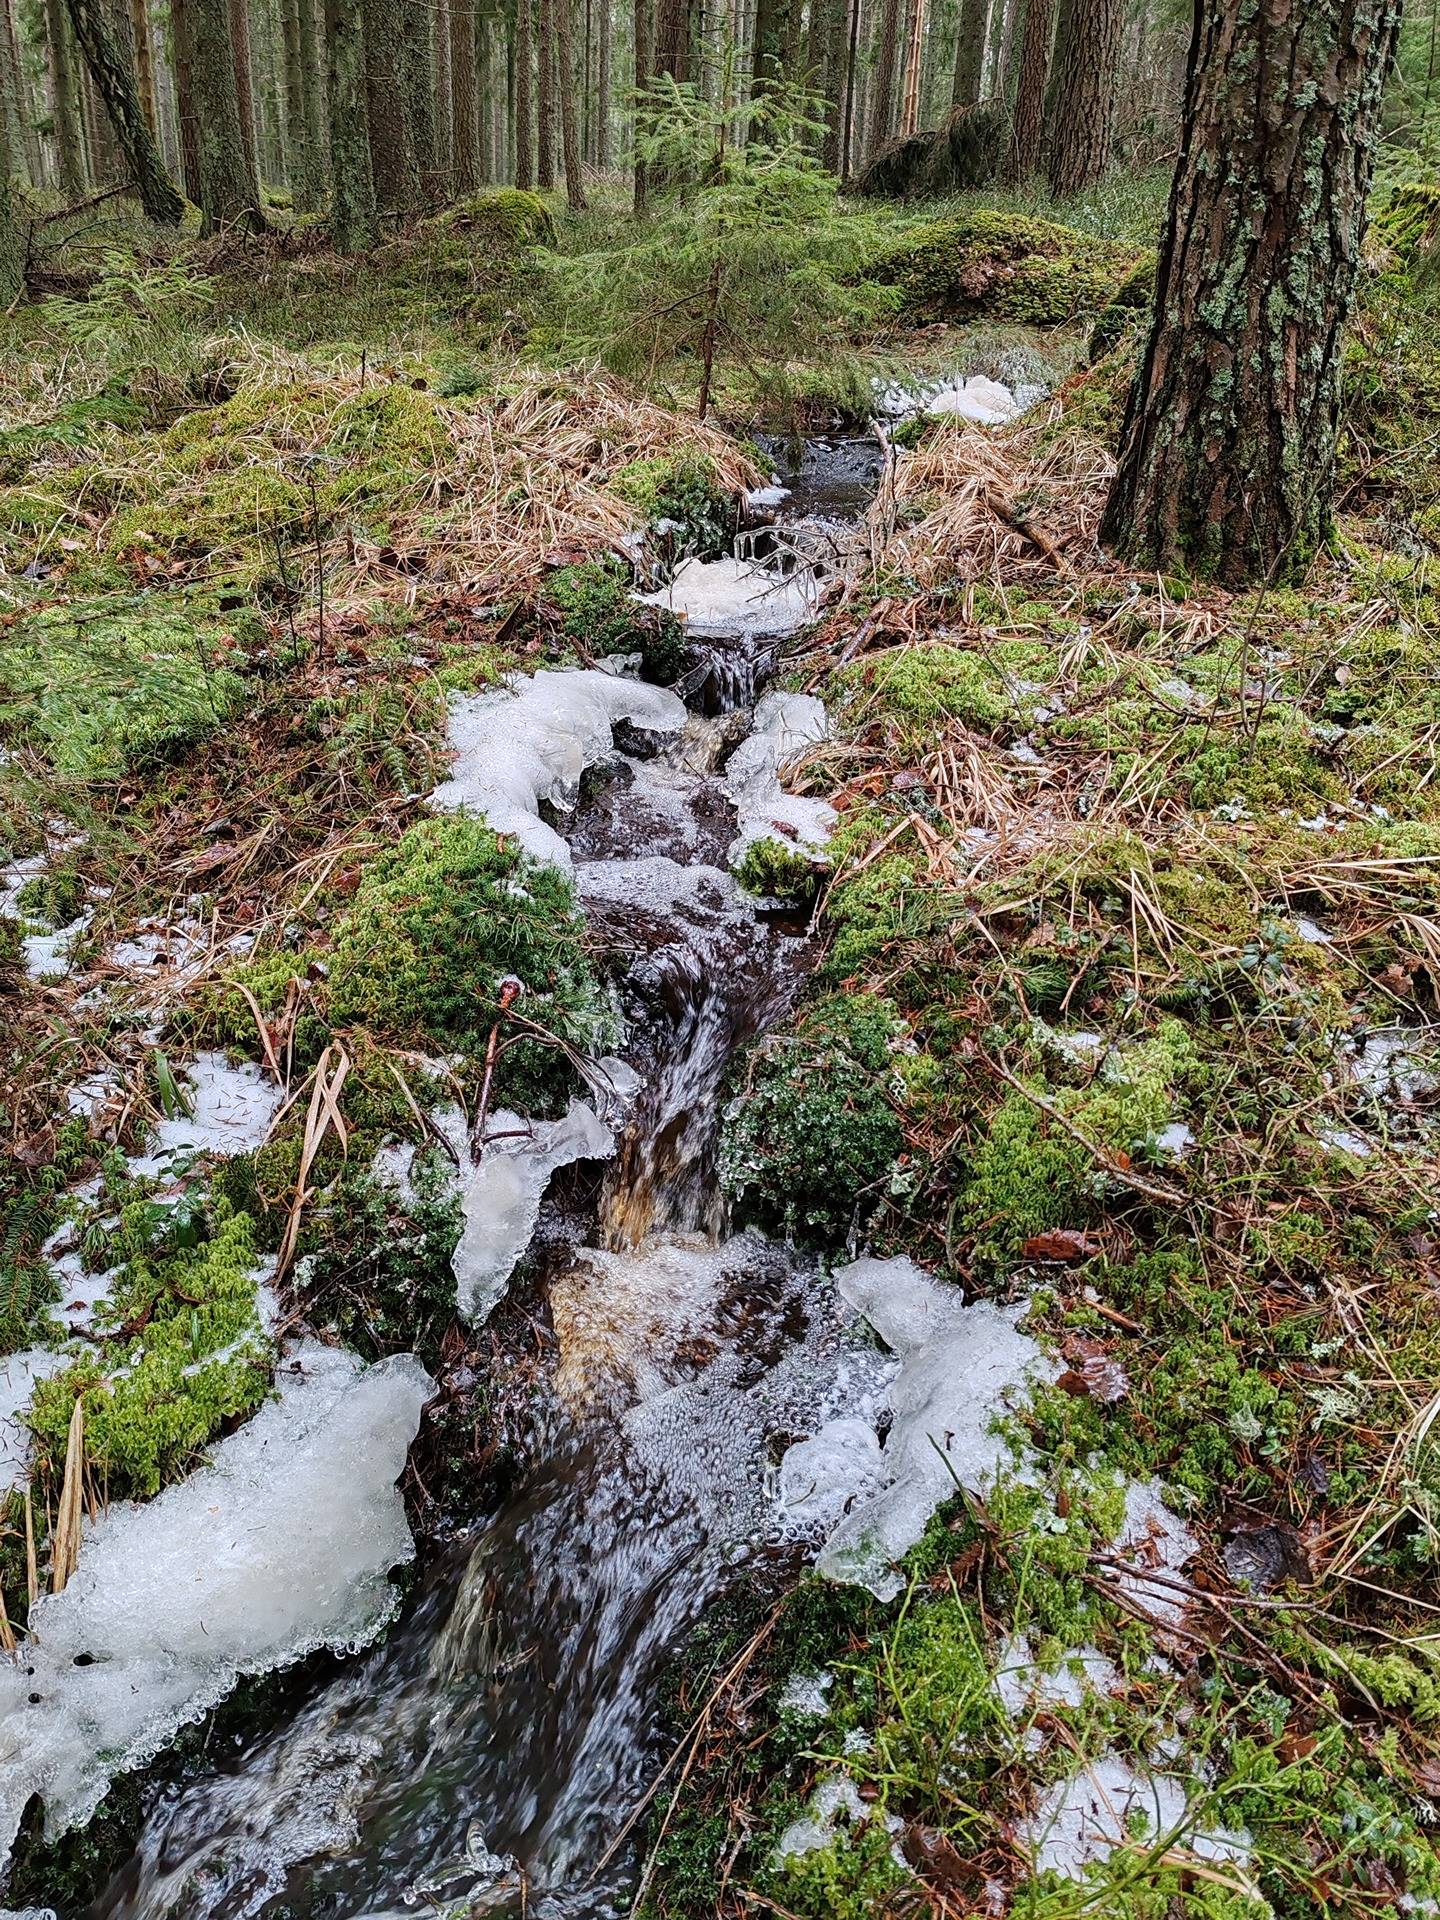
[(487, 1755)]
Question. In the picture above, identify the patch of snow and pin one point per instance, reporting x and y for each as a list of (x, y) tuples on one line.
[(960, 1366), (1087, 1817), (20, 1373), (502, 1196), (1345, 1140), (525, 747), (981, 400), (1387, 1067), (1174, 1141), (1311, 932), (46, 952), (732, 598), (815, 1828), (1153, 1539), (804, 1693), (232, 1108), (282, 1544), (1020, 1683), (785, 724)]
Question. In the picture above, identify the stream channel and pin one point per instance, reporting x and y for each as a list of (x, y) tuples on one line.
[(486, 1755)]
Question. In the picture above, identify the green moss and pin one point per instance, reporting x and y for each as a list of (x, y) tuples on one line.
[(503, 218), (812, 1136), (1007, 266), (598, 611), (379, 1271), (80, 424), (436, 928), (188, 1356), (1129, 303), (684, 489), (775, 870)]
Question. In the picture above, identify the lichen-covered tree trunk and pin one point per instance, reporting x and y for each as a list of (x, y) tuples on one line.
[(393, 164), (1085, 95), (64, 77), (970, 53), (418, 77), (229, 194), (1228, 447), (297, 133), (642, 80), (439, 14), (353, 222), (1027, 126), (115, 85)]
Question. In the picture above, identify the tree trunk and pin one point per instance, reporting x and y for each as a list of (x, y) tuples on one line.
[(847, 130), (882, 79), (25, 140), (1027, 127), (836, 77), (244, 82), (187, 119), (116, 88), (297, 154), (485, 89), (393, 166), (910, 90), (642, 80), (772, 24), (569, 129), (65, 83), (464, 118), (144, 65), (524, 145), (602, 89), (545, 98), (228, 191), (970, 53), (672, 38), (352, 209), (1228, 448), (418, 86), (1085, 95), (12, 233)]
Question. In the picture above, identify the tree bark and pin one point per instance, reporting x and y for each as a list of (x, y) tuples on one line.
[(297, 142), (1085, 95), (910, 89), (672, 38), (602, 88), (1228, 447), (144, 65), (642, 80), (772, 27), (970, 53), (444, 125), (65, 87), (524, 143), (1027, 125), (393, 165), (882, 80), (545, 97), (569, 128), (228, 190), (418, 86), (187, 120), (244, 82), (12, 233), (116, 87), (464, 117), (352, 208)]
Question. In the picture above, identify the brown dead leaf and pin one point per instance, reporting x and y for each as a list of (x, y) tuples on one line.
[(1063, 1244)]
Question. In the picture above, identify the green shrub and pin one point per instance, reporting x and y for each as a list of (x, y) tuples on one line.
[(812, 1135), (439, 924)]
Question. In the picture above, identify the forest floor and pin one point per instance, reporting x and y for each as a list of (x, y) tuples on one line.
[(1127, 1015)]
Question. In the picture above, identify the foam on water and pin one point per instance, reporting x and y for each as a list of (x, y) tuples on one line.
[(281, 1545)]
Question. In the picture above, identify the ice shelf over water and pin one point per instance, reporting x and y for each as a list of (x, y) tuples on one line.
[(731, 599), (785, 725), (1085, 1818), (502, 1196), (981, 400), (281, 1545), (524, 747), (960, 1367)]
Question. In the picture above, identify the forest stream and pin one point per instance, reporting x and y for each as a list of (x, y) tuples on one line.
[(486, 1756)]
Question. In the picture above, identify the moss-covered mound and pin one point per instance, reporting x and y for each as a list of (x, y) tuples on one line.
[(1127, 307), (812, 1138), (1005, 266)]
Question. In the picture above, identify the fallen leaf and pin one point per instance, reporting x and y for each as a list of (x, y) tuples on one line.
[(1063, 1244)]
